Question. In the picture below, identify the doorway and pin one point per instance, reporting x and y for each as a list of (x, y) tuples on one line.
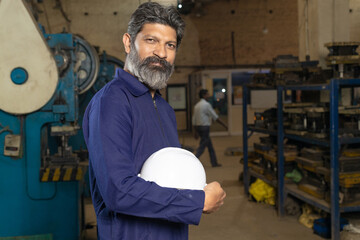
[(218, 87)]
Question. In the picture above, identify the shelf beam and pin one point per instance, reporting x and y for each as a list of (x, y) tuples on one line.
[(316, 141), (348, 82), (307, 87), (262, 177), (293, 190), (262, 130)]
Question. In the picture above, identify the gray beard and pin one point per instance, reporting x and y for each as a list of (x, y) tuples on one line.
[(155, 77)]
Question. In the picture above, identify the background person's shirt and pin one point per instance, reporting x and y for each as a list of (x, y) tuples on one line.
[(203, 114)]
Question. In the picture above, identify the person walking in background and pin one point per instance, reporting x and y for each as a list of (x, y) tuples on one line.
[(202, 118)]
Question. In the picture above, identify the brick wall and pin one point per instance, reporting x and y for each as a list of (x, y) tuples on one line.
[(261, 29)]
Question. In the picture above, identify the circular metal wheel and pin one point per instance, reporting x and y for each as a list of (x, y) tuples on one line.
[(108, 65), (87, 64), (105, 58)]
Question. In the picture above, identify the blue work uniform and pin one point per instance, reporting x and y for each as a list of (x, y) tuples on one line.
[(123, 125)]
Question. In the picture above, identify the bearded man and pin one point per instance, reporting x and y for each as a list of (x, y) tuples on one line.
[(127, 121)]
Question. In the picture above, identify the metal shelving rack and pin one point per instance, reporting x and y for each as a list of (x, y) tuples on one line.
[(246, 171), (334, 143)]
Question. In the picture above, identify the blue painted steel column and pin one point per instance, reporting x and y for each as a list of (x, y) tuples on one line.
[(334, 155), (245, 142), (280, 156)]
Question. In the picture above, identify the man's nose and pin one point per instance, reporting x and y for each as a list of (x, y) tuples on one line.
[(160, 51)]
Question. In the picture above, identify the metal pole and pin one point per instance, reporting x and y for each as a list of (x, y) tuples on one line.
[(334, 155), (280, 156), (245, 142)]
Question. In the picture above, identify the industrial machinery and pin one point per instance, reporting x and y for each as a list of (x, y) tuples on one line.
[(306, 119), (42, 78), (264, 158), (288, 70), (349, 121), (266, 119), (326, 173), (314, 164), (108, 65), (344, 59)]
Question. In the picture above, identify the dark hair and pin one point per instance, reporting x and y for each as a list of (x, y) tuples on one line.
[(202, 93), (152, 12)]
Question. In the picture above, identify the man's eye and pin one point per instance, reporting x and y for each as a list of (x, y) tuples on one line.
[(171, 46), (150, 40)]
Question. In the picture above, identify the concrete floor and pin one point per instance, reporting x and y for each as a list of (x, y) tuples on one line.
[(239, 218)]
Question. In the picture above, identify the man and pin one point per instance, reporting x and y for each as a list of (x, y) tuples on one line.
[(202, 117), (127, 121)]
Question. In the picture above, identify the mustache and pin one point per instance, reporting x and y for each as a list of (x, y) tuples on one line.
[(164, 65)]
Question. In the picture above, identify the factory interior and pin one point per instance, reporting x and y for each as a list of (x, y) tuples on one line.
[(283, 75)]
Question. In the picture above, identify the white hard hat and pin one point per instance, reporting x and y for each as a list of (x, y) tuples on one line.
[(174, 168)]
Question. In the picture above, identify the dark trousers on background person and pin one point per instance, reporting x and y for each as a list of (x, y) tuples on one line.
[(205, 141)]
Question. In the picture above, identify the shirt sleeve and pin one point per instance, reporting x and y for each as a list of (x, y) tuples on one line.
[(108, 133), (212, 112)]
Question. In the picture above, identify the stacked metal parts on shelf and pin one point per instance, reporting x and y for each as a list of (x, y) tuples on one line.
[(307, 119), (313, 182), (318, 113), (288, 70), (312, 120), (307, 115)]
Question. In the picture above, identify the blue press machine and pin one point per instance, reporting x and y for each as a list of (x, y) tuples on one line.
[(42, 163)]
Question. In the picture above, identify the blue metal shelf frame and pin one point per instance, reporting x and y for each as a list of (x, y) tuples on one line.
[(334, 154), (245, 142), (334, 144), (262, 130), (246, 172), (316, 141), (306, 87), (280, 153), (349, 140)]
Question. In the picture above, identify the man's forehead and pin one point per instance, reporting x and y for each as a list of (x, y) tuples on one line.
[(158, 30)]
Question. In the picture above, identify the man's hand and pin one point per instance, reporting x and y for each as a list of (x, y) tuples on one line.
[(214, 197)]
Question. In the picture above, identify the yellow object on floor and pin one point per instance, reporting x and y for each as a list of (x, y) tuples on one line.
[(308, 216), (262, 192)]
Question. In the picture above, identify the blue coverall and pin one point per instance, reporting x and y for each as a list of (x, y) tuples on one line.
[(123, 125)]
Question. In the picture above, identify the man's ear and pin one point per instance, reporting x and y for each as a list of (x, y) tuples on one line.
[(127, 42)]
